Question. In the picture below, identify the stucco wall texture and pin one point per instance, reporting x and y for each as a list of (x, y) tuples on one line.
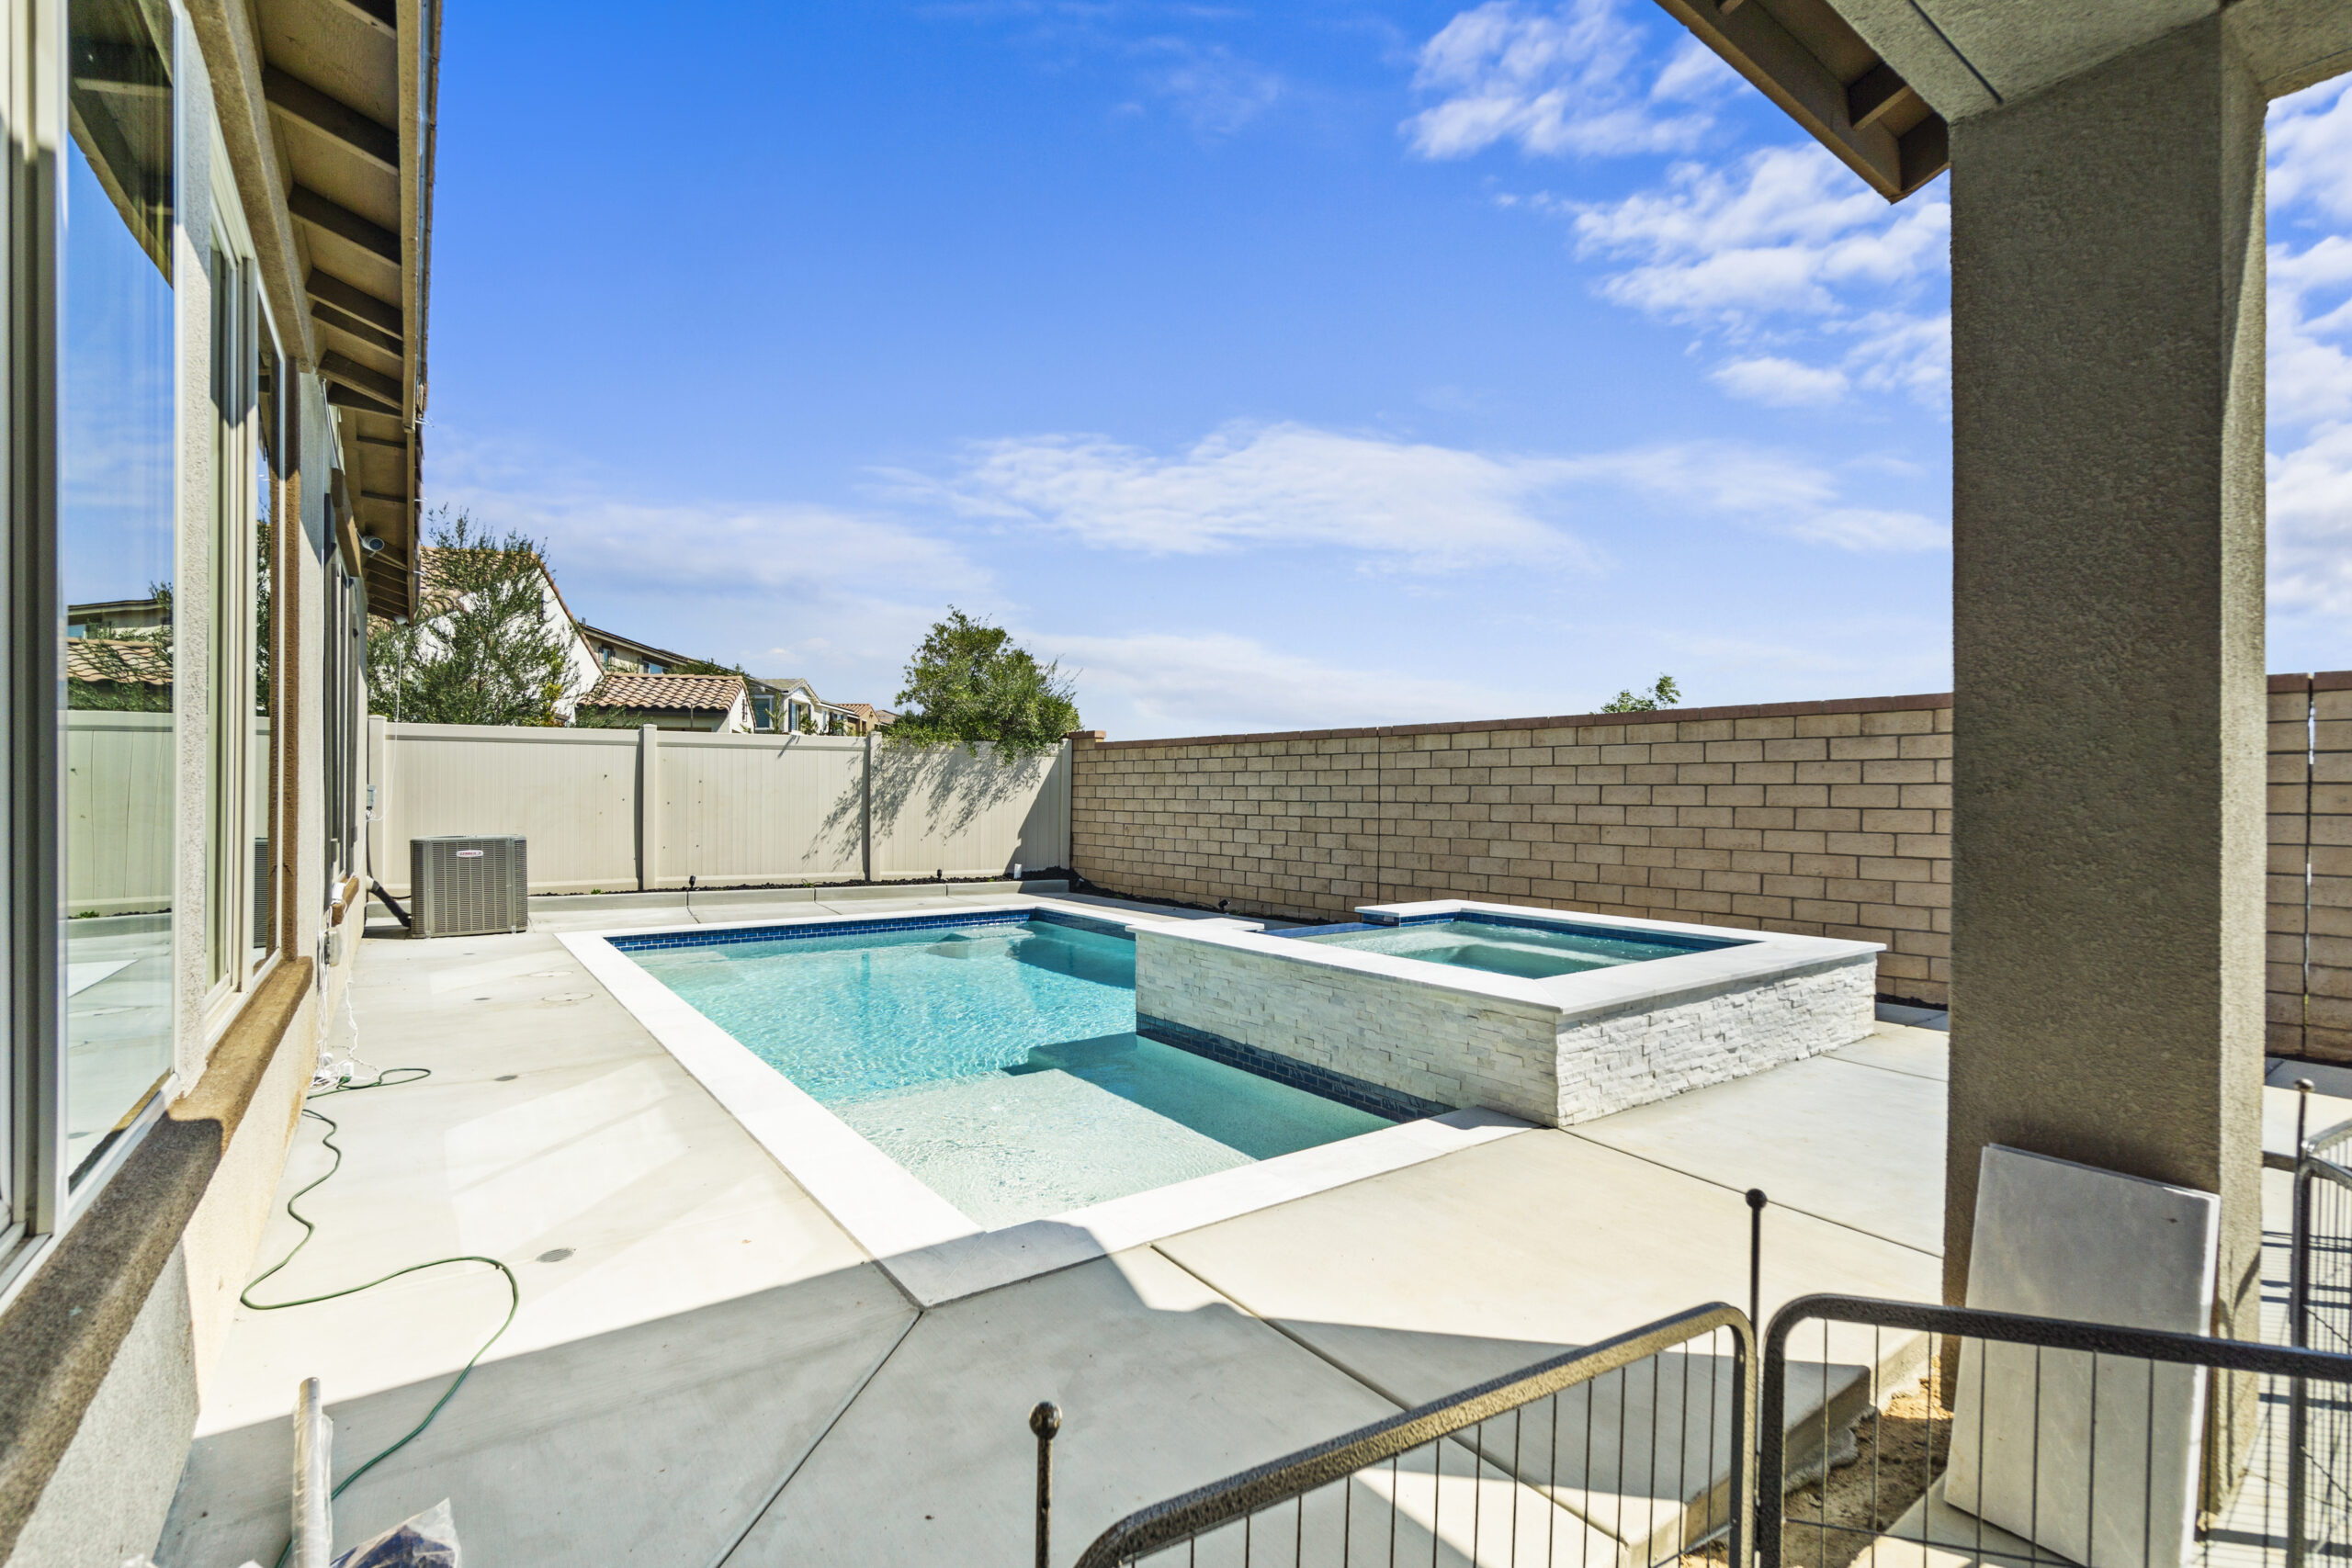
[(1824, 819)]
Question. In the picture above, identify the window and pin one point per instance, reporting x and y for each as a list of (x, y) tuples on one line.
[(240, 783), (343, 696), (262, 792), (116, 473)]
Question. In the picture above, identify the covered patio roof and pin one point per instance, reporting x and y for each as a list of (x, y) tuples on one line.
[(327, 108), (1879, 82)]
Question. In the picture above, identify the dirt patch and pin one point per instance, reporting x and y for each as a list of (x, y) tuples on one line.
[(1896, 1453)]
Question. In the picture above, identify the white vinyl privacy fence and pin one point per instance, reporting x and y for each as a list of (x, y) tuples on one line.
[(119, 855), (618, 810)]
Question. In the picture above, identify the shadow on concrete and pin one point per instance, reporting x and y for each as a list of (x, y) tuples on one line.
[(903, 1438), (653, 1443)]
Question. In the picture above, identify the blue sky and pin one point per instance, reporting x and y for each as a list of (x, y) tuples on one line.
[(1313, 365)]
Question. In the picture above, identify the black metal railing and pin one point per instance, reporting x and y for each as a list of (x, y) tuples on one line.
[(1622, 1455), (2031, 1442), (2319, 1317), (2319, 1288)]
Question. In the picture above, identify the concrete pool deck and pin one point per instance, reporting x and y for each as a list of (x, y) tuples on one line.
[(706, 1368)]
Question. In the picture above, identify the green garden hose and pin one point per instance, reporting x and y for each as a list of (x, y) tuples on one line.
[(383, 1079)]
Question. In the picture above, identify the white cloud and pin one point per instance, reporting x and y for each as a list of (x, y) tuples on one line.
[(1722, 477), (1224, 684), (2311, 373), (1780, 383), (1217, 92), (1852, 528), (1278, 486), (852, 592), (2311, 524), (1785, 244), (2310, 383), (1896, 350), (1433, 508), (1783, 229), (1693, 74), (1562, 80), (2311, 148), (2310, 388)]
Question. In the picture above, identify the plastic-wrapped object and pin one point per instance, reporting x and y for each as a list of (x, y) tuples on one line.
[(427, 1540)]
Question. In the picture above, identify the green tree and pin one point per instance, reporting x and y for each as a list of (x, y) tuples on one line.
[(969, 681), (1665, 693), (129, 670), (483, 649)]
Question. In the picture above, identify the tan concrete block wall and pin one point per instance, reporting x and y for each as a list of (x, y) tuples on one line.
[(2286, 922), (1820, 818), (1828, 818), (2328, 970)]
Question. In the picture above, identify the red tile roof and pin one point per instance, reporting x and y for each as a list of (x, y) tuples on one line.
[(119, 660), (689, 693)]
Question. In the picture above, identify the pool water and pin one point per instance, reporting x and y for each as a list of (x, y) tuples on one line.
[(1533, 953), (999, 1063)]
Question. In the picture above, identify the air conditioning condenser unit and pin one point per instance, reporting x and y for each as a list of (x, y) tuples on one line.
[(468, 884)]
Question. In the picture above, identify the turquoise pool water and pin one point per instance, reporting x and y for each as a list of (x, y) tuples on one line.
[(1533, 952), (997, 1062)]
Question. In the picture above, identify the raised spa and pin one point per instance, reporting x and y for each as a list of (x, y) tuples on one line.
[(1506, 944), (1557, 1018)]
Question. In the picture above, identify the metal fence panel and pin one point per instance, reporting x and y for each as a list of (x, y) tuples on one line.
[(1625, 1454), (2070, 1446)]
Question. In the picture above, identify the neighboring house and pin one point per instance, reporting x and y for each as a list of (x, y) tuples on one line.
[(118, 673), (149, 614), (581, 668), (780, 703), (618, 655), (721, 703), (787, 704), (864, 718)]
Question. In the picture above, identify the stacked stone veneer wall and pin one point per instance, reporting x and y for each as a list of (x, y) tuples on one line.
[(1524, 1059), (1829, 818), (1448, 1047), (1627, 1059)]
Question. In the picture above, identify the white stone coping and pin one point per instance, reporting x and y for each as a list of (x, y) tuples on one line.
[(934, 1250), (959, 909), (1587, 996)]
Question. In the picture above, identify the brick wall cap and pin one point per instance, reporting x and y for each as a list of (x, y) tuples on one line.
[(1574, 721)]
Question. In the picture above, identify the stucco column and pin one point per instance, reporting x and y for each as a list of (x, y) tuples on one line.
[(2106, 634)]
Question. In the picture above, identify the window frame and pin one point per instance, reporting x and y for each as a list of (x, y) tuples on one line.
[(31, 1194), (40, 1199), (242, 322), (79, 1190)]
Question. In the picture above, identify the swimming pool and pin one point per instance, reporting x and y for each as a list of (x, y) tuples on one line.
[(995, 1059), (1523, 948)]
